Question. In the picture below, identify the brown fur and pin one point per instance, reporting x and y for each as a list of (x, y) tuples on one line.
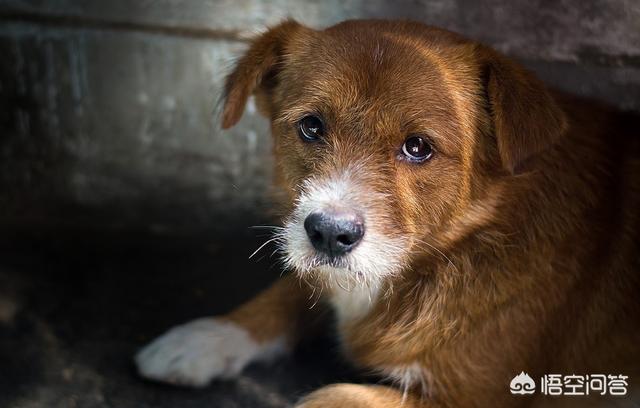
[(522, 230)]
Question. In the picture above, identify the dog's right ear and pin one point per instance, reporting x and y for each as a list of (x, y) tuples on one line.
[(256, 69)]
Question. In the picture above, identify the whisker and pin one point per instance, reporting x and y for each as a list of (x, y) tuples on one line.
[(439, 252), (262, 246), (276, 227), (312, 293), (338, 281), (318, 298)]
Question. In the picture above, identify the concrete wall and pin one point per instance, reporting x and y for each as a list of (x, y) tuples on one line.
[(107, 108)]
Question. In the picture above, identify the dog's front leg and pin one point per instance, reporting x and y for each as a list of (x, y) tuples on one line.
[(361, 396), (197, 352)]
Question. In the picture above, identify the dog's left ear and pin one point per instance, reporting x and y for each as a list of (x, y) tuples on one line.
[(257, 69), (526, 118)]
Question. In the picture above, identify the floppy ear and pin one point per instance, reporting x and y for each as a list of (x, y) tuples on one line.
[(257, 68), (526, 118)]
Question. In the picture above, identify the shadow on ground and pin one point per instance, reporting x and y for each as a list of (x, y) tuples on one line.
[(74, 308)]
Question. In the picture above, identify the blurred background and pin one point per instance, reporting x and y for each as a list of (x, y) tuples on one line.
[(124, 209)]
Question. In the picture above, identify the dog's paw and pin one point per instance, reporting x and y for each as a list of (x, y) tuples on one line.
[(197, 352), (346, 395)]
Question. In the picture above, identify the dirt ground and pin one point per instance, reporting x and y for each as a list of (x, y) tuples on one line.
[(75, 308)]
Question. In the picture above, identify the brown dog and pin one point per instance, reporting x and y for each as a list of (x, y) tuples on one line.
[(464, 224)]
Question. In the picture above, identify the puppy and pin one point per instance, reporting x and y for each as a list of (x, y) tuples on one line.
[(464, 223)]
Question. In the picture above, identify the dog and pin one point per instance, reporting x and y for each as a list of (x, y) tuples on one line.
[(465, 223)]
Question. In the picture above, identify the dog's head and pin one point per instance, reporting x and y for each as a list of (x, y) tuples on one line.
[(388, 137)]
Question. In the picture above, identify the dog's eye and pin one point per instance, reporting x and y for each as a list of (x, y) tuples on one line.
[(415, 148), (310, 128)]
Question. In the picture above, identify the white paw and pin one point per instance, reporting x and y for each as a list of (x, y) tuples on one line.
[(196, 352)]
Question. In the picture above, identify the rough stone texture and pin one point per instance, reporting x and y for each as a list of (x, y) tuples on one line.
[(560, 30), (122, 121)]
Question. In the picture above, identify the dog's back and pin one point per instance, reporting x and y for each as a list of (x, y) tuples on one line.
[(594, 176)]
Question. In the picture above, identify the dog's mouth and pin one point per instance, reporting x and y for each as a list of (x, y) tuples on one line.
[(340, 262), (374, 258), (330, 234)]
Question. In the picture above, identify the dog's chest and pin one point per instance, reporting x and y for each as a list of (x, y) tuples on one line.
[(351, 305)]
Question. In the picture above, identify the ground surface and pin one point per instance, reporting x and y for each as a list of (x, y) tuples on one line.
[(74, 309)]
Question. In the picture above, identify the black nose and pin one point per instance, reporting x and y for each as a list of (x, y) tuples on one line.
[(334, 233)]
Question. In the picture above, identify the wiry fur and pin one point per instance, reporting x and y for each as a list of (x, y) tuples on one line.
[(378, 256), (515, 248)]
